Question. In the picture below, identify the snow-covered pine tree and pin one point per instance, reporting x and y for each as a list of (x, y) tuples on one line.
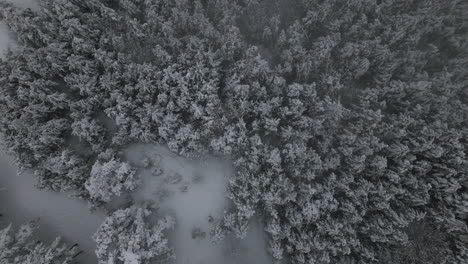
[(133, 235)]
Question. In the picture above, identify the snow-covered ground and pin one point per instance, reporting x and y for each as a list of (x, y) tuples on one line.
[(5, 39), (194, 193), (59, 215)]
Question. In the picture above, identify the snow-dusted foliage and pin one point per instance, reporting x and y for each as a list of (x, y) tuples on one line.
[(111, 178), (63, 171), (346, 120), (19, 247), (132, 235)]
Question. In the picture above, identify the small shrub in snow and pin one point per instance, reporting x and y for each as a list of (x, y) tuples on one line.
[(210, 219), (174, 178), (156, 159), (184, 187), (145, 163), (156, 170), (198, 233)]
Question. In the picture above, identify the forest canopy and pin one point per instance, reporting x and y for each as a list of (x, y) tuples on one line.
[(346, 121)]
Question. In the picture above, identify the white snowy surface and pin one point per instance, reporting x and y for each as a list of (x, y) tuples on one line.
[(204, 196), (5, 39), (130, 258), (59, 215), (192, 192)]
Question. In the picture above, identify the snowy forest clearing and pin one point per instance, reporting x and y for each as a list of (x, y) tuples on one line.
[(5, 42), (58, 214), (193, 193)]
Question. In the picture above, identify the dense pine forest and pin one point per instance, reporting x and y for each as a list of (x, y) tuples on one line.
[(346, 121)]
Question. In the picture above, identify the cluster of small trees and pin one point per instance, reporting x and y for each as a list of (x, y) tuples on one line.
[(132, 235), (111, 178), (346, 120), (19, 247)]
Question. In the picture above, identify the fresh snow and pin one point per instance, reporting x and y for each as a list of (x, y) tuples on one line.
[(194, 193), (6, 41), (191, 191), (130, 258), (58, 214)]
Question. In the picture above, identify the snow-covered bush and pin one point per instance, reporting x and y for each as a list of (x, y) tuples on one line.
[(132, 235), (110, 178)]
